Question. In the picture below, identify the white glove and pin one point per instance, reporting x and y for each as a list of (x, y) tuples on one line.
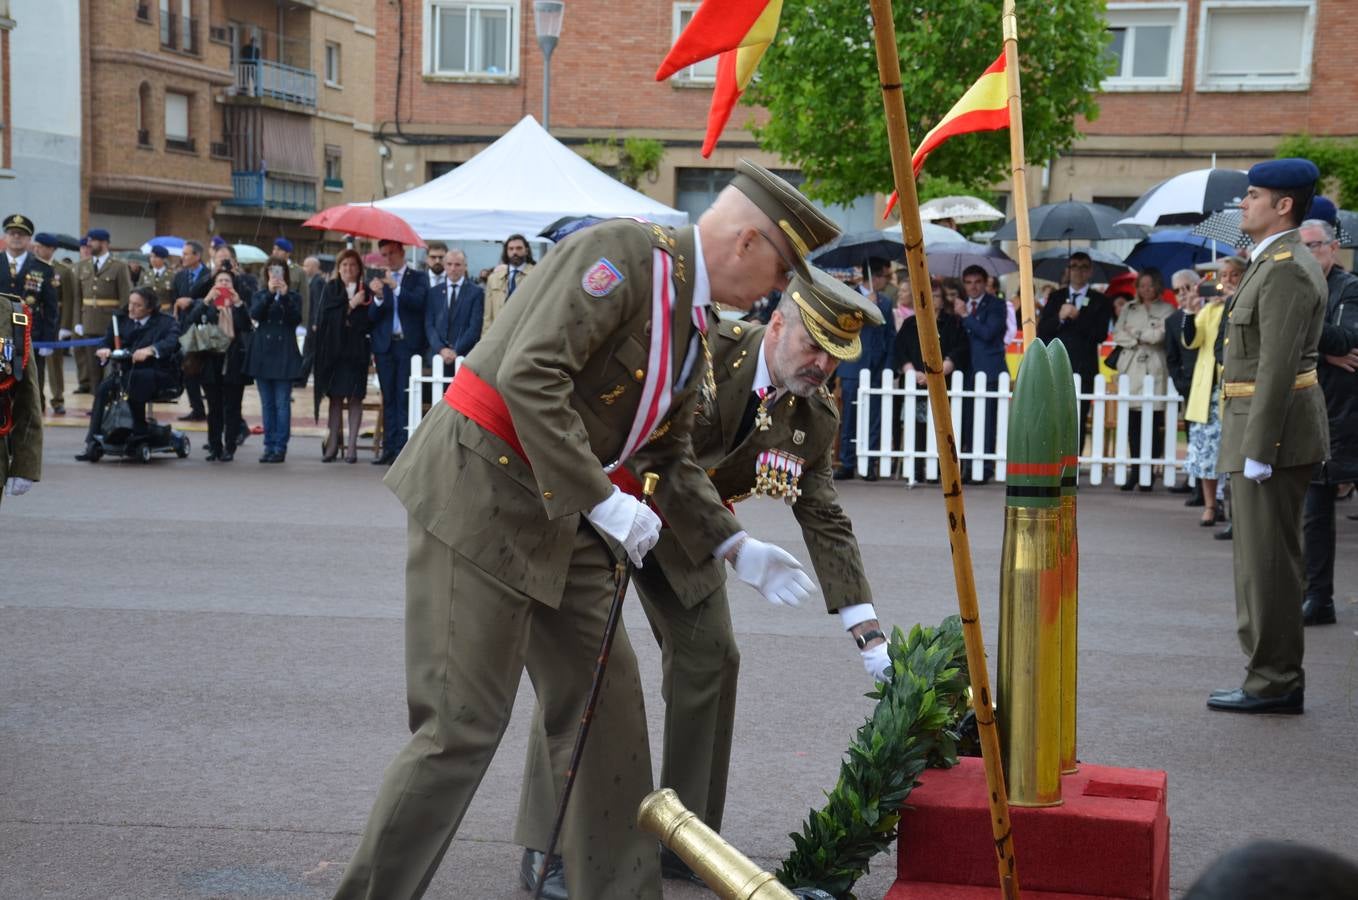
[(629, 522), (301, 331), (80, 330), (63, 334), (774, 572), (44, 351), (1257, 472), (877, 661), (17, 486)]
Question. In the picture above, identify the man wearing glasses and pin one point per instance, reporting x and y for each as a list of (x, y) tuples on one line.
[(1079, 317)]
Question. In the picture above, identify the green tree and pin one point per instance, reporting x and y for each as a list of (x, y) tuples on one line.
[(1337, 160), (820, 85)]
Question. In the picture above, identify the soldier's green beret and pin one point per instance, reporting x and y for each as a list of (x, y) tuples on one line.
[(832, 312), (804, 226)]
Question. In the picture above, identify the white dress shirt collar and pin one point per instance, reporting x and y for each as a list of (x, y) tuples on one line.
[(1263, 245), (762, 377), (702, 288)]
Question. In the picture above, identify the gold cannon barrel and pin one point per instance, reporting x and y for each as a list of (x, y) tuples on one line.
[(729, 873)]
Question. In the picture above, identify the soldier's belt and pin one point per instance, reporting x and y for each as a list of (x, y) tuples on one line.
[(1246, 388), (108, 304)]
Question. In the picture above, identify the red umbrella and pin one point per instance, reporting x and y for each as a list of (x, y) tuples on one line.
[(364, 220)]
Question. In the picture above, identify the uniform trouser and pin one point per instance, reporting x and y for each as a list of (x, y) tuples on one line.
[(1318, 531), (86, 368), (56, 377), (701, 667), (1266, 522), (468, 639)]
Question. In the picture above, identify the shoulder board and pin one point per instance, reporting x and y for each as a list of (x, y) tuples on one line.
[(1282, 255), (661, 237), (736, 329), (827, 400)]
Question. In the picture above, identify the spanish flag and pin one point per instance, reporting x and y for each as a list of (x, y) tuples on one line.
[(984, 107), (740, 31)]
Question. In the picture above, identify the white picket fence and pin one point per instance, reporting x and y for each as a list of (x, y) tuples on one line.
[(898, 406)]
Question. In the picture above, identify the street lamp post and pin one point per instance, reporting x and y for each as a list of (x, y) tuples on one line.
[(547, 16)]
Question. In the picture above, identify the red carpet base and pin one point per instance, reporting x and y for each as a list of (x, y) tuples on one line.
[(1110, 838)]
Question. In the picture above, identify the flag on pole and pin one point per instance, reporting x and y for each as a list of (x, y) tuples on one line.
[(737, 32), (984, 107)]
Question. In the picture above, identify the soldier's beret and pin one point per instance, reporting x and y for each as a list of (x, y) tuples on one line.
[(283, 244), (218, 241), (1284, 174), (97, 234), (832, 312), (84, 242), (160, 251), (805, 226), (1323, 208), (45, 239), (19, 222)]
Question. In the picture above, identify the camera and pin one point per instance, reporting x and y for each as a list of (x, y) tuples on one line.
[(228, 265), (1209, 289)]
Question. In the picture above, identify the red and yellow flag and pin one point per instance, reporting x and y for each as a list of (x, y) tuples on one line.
[(984, 107), (740, 31)]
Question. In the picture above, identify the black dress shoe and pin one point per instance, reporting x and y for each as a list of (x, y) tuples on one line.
[(87, 456), (1224, 534), (871, 476), (1315, 611), (227, 456), (212, 456), (844, 474), (385, 459), (1129, 486), (268, 458), (671, 866), (193, 416), (1241, 701), (553, 885), (1181, 489), (1195, 500), (58, 409)]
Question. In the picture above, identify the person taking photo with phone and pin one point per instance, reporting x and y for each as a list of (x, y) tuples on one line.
[(274, 360), (223, 374)]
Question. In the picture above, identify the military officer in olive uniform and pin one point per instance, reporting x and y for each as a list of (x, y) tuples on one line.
[(105, 285), (20, 400), (25, 275), (63, 279), (159, 277), (770, 433), (515, 523), (1274, 429)]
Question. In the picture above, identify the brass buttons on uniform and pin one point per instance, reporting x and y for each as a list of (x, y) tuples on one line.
[(737, 331), (639, 374), (712, 473), (504, 460), (1226, 342), (546, 495)]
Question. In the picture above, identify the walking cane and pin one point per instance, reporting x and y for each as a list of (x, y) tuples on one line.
[(624, 577)]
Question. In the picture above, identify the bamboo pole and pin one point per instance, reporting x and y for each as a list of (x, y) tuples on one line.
[(889, 71), (1018, 171)]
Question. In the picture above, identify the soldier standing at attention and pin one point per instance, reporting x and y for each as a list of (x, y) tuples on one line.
[(515, 523), (27, 276), (105, 285), (160, 277), (1274, 429), (770, 433), (63, 281), (20, 401)]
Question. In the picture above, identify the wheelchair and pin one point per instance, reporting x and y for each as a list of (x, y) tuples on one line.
[(118, 438)]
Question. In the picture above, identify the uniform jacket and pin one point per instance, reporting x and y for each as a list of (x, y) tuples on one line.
[(102, 293), (985, 329), (878, 344), (457, 329), (412, 302), (497, 291), (162, 284), (273, 343), (570, 368), (802, 428), (35, 283), (21, 451), (1140, 332), (1340, 335), (1273, 329), (1083, 334), (67, 297)]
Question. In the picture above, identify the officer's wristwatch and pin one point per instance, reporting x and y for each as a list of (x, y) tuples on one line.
[(867, 637)]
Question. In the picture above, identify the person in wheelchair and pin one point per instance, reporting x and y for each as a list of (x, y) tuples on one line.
[(152, 338)]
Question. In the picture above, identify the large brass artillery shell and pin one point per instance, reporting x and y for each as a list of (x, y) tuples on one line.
[(727, 871), (1069, 411)]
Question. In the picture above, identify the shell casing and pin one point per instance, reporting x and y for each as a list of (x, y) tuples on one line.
[(1064, 379), (729, 873)]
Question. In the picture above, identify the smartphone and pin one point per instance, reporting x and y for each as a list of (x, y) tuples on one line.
[(1208, 289), (279, 272), (223, 295)]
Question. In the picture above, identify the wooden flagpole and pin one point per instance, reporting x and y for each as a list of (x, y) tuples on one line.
[(889, 71), (1018, 169)]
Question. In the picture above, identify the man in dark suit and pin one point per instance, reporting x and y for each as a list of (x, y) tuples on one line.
[(397, 316), (33, 281), (452, 318), (1181, 362), (878, 343), (985, 318), (1079, 316), (191, 281), (153, 338)]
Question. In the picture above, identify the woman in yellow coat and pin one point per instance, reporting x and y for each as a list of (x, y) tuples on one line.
[(1202, 321)]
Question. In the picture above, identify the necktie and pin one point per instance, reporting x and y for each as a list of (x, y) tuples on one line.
[(971, 306), (452, 296), (513, 282)]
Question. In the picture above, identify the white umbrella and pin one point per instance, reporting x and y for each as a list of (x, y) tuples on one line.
[(248, 254), (933, 234), (962, 210), (1188, 198)]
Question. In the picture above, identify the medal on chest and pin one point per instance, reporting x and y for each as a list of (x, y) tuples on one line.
[(777, 474)]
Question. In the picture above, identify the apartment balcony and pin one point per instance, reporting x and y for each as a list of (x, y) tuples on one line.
[(262, 78), (264, 191)]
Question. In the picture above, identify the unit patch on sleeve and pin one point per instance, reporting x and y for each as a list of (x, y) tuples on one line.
[(601, 278)]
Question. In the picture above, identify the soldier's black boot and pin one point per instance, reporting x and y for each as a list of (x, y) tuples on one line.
[(1315, 611)]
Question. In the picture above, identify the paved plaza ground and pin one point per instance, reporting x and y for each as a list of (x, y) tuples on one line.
[(201, 679)]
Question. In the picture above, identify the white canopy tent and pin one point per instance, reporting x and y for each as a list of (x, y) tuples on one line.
[(519, 185)]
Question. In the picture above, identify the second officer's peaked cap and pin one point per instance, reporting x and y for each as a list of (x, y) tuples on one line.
[(832, 312)]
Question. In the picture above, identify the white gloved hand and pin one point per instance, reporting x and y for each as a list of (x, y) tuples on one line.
[(1257, 472), (80, 330), (301, 331), (629, 522), (877, 661), (44, 351), (17, 486), (772, 571), (63, 334)]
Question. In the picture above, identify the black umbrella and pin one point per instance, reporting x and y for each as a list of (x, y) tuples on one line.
[(1188, 198), (850, 250), (1071, 220), (1348, 228), (1051, 264), (1225, 226), (66, 242)]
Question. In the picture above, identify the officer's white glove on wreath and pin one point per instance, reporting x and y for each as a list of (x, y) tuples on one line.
[(773, 572), (17, 486), (877, 661), (629, 522), (1257, 472)]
